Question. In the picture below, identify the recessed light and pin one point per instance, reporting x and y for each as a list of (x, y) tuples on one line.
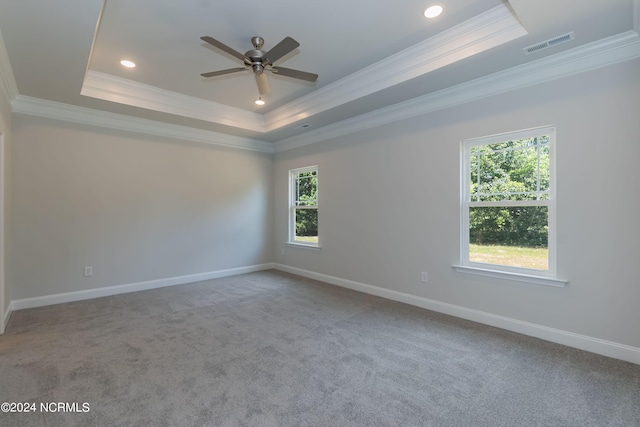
[(127, 64), (433, 11), (259, 101)]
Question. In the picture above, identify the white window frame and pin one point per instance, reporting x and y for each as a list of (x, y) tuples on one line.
[(543, 277), (293, 174)]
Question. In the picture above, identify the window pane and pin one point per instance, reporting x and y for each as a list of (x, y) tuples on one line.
[(515, 236), (307, 225), (510, 170), (306, 189), (544, 167)]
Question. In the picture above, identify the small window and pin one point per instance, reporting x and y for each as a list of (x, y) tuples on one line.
[(303, 209), (508, 202)]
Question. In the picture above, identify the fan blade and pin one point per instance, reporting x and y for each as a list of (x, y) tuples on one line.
[(263, 84), (296, 74), (281, 49), (223, 47), (222, 72)]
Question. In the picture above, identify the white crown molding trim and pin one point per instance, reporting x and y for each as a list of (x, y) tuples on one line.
[(106, 291), (124, 91), (87, 116), (609, 51), (485, 31), (559, 336), (8, 85)]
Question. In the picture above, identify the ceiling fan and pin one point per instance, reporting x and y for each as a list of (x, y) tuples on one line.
[(260, 61)]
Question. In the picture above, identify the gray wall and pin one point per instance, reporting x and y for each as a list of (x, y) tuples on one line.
[(133, 207), (389, 204), (5, 131)]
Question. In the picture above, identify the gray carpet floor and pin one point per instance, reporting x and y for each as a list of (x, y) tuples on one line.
[(273, 349)]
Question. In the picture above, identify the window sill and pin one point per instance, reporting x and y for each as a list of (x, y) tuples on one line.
[(303, 245), (519, 277)]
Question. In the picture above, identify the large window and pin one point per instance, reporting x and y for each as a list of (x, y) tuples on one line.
[(508, 202), (303, 209)]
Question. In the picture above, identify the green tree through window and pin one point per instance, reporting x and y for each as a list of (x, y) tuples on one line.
[(511, 170)]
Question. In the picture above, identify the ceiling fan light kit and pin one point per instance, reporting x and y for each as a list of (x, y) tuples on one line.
[(260, 61)]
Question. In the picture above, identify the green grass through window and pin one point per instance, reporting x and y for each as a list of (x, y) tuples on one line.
[(513, 256), (308, 239)]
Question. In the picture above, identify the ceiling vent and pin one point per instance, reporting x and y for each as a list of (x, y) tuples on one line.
[(549, 43)]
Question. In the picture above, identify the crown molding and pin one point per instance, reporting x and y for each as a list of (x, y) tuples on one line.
[(87, 116), (124, 91), (485, 31), (609, 51), (8, 85)]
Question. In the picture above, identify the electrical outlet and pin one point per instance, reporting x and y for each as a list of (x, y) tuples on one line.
[(88, 271), (424, 277)]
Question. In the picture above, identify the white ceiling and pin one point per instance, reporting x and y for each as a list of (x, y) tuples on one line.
[(367, 57)]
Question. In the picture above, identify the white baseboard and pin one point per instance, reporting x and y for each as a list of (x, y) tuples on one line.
[(570, 339), (130, 287)]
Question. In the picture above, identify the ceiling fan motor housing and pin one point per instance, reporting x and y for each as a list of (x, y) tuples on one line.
[(255, 55), (254, 59)]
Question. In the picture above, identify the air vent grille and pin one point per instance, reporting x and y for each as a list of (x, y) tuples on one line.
[(549, 43)]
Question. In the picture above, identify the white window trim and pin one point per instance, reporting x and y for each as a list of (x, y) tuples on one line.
[(291, 239), (517, 277), (297, 244), (541, 277)]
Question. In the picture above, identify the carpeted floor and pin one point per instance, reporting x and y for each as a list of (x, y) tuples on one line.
[(273, 349)]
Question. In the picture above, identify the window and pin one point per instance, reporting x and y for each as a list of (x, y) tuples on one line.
[(508, 203), (303, 209)]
